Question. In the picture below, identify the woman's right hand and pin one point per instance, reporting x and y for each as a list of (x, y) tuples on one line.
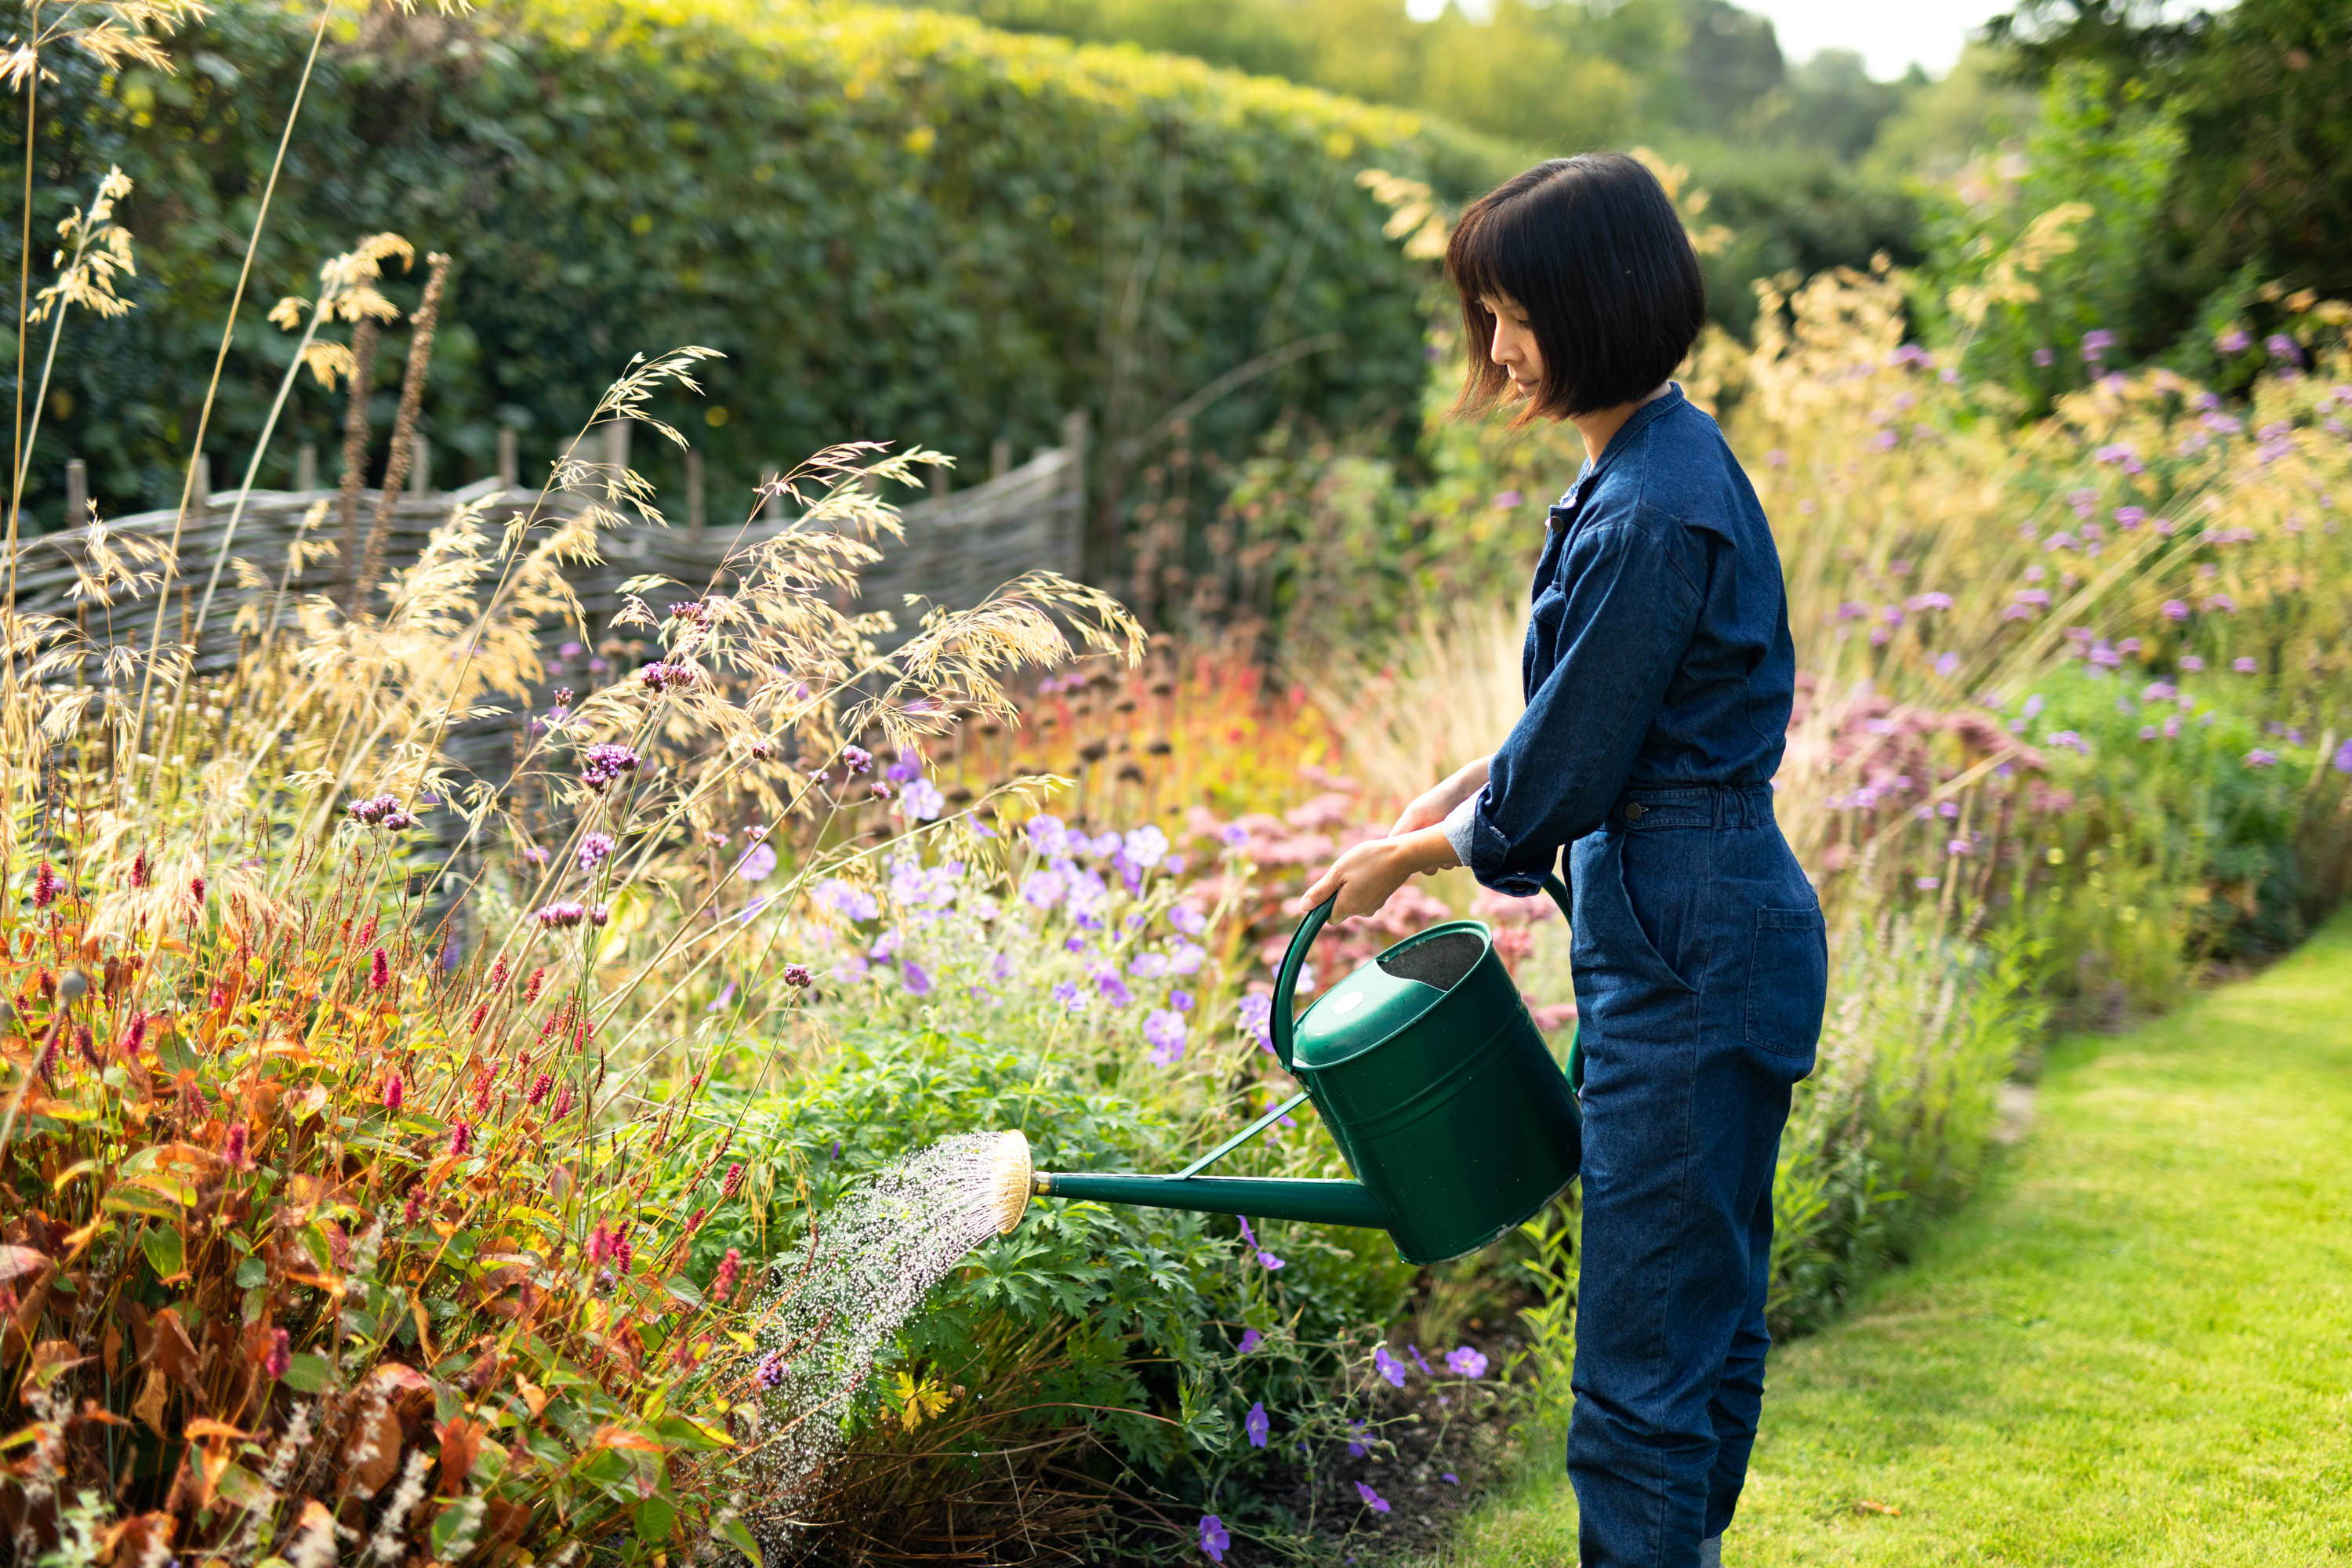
[(1433, 805)]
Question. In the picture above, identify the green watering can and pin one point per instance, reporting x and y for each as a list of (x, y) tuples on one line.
[(1439, 1088)]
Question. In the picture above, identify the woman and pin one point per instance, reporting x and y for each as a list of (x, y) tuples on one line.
[(1658, 671)]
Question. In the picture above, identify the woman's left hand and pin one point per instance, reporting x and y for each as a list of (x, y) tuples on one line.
[(1362, 878)]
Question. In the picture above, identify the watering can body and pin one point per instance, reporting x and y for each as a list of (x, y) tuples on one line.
[(1435, 1083)]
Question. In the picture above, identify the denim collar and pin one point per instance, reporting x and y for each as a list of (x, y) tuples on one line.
[(1634, 422)]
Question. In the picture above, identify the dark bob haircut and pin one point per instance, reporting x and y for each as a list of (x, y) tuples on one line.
[(1592, 249)]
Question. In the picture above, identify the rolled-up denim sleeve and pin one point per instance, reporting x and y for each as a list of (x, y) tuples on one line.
[(1630, 611)]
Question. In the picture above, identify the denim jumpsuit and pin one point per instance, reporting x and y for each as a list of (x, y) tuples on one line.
[(1658, 671)]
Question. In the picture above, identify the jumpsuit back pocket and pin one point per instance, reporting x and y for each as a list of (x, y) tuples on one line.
[(1787, 980)]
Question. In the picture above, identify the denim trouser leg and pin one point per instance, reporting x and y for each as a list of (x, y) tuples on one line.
[(1682, 1114), (1739, 1395)]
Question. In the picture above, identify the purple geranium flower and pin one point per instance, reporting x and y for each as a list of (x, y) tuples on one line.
[(1165, 1030), (1250, 1338), (1257, 1012), (1372, 1499), (1257, 1425), (921, 800), (1266, 1259), (759, 863), (1388, 1366), (1214, 1540), (1464, 1361), (917, 978)]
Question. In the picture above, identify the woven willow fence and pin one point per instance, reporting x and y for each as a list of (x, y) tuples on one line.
[(958, 546)]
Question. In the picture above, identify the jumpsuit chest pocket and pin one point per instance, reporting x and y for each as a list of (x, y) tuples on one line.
[(1787, 980)]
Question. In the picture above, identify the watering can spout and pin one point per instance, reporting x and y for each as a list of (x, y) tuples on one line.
[(1268, 1197), (1013, 1182)]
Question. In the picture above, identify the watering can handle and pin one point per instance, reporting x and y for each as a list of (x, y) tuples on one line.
[(1286, 980), (1294, 958)]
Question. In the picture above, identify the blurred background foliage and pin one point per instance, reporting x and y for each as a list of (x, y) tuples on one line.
[(897, 221)]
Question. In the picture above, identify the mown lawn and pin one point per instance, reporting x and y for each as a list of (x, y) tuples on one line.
[(2133, 1347)]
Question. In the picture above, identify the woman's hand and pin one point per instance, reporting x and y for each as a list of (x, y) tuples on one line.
[(1365, 876), (1431, 807)]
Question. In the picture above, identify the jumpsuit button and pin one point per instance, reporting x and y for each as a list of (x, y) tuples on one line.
[(1635, 811)]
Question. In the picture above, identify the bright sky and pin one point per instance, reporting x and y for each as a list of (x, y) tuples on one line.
[(1890, 34)]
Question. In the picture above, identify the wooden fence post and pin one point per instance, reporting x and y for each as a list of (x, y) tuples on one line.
[(1000, 457), (77, 492), (771, 508), (306, 467), (694, 489), (616, 443), (201, 494), (509, 467), (1072, 543), (420, 462)]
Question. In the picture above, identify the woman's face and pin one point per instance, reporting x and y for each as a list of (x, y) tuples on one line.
[(1514, 347)]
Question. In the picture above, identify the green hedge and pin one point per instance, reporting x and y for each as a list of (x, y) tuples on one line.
[(897, 225)]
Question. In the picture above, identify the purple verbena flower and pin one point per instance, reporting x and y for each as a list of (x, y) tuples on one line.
[(595, 848), (603, 765)]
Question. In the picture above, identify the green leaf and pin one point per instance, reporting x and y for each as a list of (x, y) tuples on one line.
[(132, 1200), (657, 1518), (252, 1272), (243, 1487), (310, 1373), (164, 1252), (688, 1433), (451, 1521), (737, 1534)]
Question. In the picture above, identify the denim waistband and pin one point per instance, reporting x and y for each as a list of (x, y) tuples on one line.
[(1645, 809)]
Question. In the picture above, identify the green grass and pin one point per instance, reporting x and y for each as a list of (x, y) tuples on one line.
[(2135, 1346)]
